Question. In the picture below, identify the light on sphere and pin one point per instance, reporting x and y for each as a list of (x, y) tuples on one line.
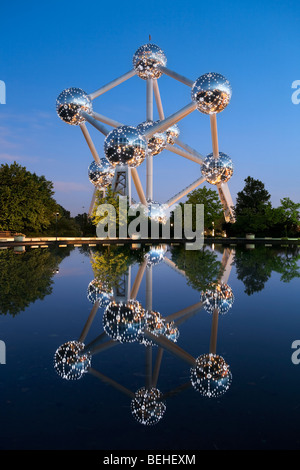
[(212, 93), (69, 361), (217, 170), (125, 145), (101, 175), (148, 407), (155, 255), (99, 291), (70, 103), (124, 322), (218, 296), (157, 142), (172, 133), (211, 376), (147, 60)]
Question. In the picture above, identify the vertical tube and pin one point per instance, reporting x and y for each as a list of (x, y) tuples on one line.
[(149, 160), (138, 186), (149, 288), (214, 134), (214, 332)]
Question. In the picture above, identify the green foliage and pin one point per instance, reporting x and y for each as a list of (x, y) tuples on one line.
[(116, 218), (213, 210)]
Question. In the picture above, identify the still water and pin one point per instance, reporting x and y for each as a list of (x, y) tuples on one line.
[(118, 348)]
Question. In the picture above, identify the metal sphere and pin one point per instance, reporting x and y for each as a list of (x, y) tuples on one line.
[(69, 104), (125, 146), (69, 361), (172, 134), (157, 212), (99, 292), (124, 322), (217, 170), (147, 60), (101, 175), (147, 406), (211, 376), (218, 296), (155, 324), (157, 142), (155, 255), (171, 332), (212, 93)]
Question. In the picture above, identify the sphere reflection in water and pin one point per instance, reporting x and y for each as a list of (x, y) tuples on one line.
[(99, 291), (217, 170), (125, 146), (147, 60), (124, 322), (211, 376), (155, 255), (155, 324), (157, 142), (69, 361), (212, 93), (147, 406), (217, 296), (101, 175), (69, 104)]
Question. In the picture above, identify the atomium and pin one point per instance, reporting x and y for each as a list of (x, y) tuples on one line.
[(157, 142), (155, 324), (125, 145), (124, 322), (70, 362), (147, 60), (212, 93), (217, 170), (211, 376), (155, 255), (217, 296), (148, 407), (70, 103), (101, 175), (172, 133), (157, 212), (99, 291)]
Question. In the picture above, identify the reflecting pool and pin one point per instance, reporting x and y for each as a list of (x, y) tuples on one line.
[(152, 347)]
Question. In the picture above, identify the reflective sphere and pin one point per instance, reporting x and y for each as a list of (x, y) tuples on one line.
[(101, 175), (125, 145), (211, 376), (157, 142), (157, 212), (124, 322), (155, 324), (147, 59), (147, 406), (217, 170), (171, 331), (212, 93), (69, 362), (172, 134), (155, 255), (99, 291), (69, 104), (218, 296)]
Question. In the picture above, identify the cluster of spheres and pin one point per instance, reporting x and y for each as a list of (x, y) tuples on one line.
[(147, 406), (218, 296), (157, 325), (147, 61), (212, 93), (101, 175), (125, 145), (70, 103), (99, 291), (217, 170), (70, 362), (211, 376)]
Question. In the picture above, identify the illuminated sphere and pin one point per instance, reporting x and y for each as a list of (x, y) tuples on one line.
[(155, 255), (125, 146), (69, 362), (101, 175), (157, 142), (99, 291), (155, 324), (217, 170), (124, 322), (69, 104), (172, 134), (147, 406), (171, 332), (218, 296), (147, 60), (157, 212), (212, 93), (211, 376)]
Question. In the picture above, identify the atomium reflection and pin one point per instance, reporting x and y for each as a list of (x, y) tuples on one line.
[(101, 175), (69, 361), (125, 146), (212, 93), (99, 291), (147, 406), (155, 324), (155, 255), (217, 296), (69, 104), (217, 170), (211, 376), (124, 322), (147, 60), (157, 142)]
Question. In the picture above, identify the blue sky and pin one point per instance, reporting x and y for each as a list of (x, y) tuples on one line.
[(49, 46)]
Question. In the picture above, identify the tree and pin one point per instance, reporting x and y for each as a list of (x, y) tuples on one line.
[(26, 200), (114, 217), (290, 215)]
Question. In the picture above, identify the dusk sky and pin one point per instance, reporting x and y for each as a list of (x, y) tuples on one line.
[(49, 46)]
